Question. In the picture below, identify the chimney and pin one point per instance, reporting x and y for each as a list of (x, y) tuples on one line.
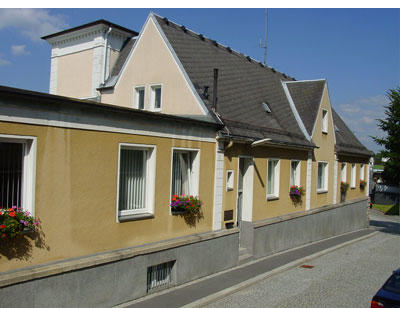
[(215, 90)]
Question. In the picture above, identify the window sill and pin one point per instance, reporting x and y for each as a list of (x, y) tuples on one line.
[(322, 191), (272, 197), (135, 217)]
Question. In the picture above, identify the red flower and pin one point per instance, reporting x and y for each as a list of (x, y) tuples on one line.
[(4, 235), (2, 226), (12, 214)]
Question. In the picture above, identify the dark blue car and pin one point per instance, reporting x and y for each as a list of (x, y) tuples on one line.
[(389, 293)]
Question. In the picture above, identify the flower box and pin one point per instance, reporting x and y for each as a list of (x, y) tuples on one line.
[(188, 207), (15, 221), (363, 184), (295, 193)]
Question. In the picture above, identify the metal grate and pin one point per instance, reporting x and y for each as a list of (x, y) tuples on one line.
[(10, 174), (159, 276)]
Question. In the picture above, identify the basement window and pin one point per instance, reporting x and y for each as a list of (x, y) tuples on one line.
[(159, 276)]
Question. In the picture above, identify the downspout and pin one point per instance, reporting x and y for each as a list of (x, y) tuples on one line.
[(106, 53)]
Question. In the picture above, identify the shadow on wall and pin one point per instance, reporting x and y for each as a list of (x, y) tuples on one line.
[(21, 246)]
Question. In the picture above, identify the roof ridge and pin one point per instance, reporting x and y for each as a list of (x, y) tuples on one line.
[(201, 37)]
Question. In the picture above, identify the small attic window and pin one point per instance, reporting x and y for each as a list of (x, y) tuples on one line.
[(266, 107)]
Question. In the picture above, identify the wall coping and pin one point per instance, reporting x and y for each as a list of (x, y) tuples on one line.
[(278, 219), (58, 267)]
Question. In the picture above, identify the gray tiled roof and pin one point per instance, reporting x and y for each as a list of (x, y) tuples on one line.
[(306, 96), (243, 86), (346, 141)]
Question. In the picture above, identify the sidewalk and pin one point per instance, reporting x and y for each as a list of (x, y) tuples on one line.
[(198, 292)]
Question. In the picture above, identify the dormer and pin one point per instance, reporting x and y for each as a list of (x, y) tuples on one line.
[(82, 57)]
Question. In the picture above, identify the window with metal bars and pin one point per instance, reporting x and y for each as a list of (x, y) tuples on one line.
[(11, 174), (159, 276)]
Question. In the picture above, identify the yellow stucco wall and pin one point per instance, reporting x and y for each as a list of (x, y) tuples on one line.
[(153, 64), (76, 186), (356, 192), (263, 208), (325, 153)]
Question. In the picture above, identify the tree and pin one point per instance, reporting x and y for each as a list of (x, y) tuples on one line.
[(391, 143)]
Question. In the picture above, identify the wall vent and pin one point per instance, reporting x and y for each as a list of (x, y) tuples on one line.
[(159, 276)]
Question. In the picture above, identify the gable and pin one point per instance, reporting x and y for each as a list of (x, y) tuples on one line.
[(150, 62)]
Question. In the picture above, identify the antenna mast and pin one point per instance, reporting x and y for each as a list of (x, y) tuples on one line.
[(265, 40)]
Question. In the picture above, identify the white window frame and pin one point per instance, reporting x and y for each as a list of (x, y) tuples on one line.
[(230, 176), (136, 97), (29, 168), (275, 194), (153, 97), (325, 121), (194, 173), (343, 172), (353, 176), (326, 175), (362, 172), (124, 215), (298, 170)]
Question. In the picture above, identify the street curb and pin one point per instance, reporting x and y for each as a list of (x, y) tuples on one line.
[(215, 296)]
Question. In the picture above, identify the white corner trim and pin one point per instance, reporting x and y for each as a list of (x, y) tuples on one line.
[(53, 75), (335, 176), (294, 110), (309, 179), (218, 187)]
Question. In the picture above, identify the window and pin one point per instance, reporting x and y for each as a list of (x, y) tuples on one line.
[(322, 182), (17, 171), (229, 180), (353, 176), (273, 178), (324, 121), (136, 177), (139, 98), (294, 172), (362, 172), (185, 172), (343, 172), (156, 98)]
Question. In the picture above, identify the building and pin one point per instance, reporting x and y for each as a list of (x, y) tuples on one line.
[(189, 115)]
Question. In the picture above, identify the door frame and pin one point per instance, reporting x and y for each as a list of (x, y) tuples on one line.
[(251, 166)]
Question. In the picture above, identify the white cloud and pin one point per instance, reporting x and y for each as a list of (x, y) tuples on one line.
[(3, 62), (19, 50), (360, 116), (32, 23)]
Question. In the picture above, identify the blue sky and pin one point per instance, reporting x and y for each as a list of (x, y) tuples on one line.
[(357, 50)]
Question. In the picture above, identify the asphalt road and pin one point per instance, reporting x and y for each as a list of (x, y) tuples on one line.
[(346, 277)]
